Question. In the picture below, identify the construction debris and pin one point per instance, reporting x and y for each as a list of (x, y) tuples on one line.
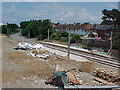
[(36, 45), (69, 74), (60, 78), (26, 45), (106, 74), (87, 66), (74, 81), (22, 70), (100, 80), (40, 54)]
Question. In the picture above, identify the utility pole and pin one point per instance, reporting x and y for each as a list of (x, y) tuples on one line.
[(69, 45), (7, 32), (48, 34), (111, 40), (28, 35), (14, 30), (20, 34), (29, 30)]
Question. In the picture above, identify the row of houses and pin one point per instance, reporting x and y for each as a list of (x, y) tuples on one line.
[(74, 29), (87, 30), (94, 35)]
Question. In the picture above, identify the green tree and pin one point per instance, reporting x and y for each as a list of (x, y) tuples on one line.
[(56, 35), (75, 38), (24, 24), (9, 28), (86, 23), (64, 34), (112, 17), (4, 29), (37, 28), (77, 23)]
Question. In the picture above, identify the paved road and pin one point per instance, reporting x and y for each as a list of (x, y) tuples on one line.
[(18, 37)]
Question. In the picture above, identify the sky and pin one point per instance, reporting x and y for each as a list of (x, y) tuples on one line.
[(63, 12)]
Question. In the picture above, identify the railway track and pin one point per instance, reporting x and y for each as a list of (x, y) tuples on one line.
[(95, 58)]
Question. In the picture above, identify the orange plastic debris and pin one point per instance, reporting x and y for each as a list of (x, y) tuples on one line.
[(74, 81)]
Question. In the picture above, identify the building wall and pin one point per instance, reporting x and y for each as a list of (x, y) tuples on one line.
[(80, 31)]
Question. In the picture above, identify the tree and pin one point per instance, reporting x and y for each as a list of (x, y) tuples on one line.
[(75, 38), (64, 34), (23, 24), (116, 41), (56, 35), (86, 23), (57, 23), (112, 17), (4, 29), (77, 23), (37, 28), (9, 28)]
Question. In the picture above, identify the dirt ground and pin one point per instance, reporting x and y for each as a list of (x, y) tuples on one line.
[(18, 67), (20, 70)]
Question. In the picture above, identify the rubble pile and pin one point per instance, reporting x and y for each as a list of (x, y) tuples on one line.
[(87, 79), (40, 53), (107, 74), (26, 45)]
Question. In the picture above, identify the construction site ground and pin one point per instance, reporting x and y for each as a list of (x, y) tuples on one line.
[(20, 70)]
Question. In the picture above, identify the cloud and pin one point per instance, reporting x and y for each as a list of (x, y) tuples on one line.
[(63, 15), (112, 5), (94, 18), (10, 10), (81, 15), (60, 0), (30, 0), (56, 12), (85, 15), (11, 20)]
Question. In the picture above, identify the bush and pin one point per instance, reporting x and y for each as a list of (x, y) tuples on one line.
[(72, 40), (75, 38), (64, 39), (55, 36), (64, 34)]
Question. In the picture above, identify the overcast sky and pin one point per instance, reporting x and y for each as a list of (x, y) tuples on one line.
[(69, 12)]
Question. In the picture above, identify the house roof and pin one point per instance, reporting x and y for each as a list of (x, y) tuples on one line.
[(85, 27), (82, 26), (101, 27), (88, 26), (73, 27), (94, 33)]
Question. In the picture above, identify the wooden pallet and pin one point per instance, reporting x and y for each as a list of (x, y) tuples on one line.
[(106, 74)]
